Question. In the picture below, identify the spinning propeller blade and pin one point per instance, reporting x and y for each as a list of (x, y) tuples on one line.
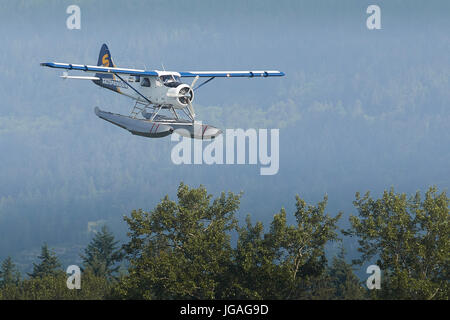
[(194, 81), (191, 108)]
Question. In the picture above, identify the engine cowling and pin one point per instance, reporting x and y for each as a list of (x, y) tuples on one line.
[(180, 96)]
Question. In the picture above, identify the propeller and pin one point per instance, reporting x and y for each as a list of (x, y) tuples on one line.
[(194, 81), (191, 108), (186, 93)]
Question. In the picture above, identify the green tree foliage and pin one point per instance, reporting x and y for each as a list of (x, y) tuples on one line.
[(49, 282), (288, 262), (49, 264), (53, 287), (184, 250), (345, 283), (102, 255), (180, 250), (9, 274), (410, 239)]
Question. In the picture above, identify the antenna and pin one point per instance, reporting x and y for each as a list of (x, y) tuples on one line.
[(164, 69)]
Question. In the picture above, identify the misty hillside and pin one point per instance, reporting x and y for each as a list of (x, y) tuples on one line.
[(357, 110)]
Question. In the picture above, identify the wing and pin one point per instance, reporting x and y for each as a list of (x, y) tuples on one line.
[(230, 74), (99, 69), (137, 72)]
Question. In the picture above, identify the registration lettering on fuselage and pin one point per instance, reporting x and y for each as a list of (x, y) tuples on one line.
[(116, 83)]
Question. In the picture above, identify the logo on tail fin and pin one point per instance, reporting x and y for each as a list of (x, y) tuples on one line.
[(105, 60), (104, 57), (107, 80)]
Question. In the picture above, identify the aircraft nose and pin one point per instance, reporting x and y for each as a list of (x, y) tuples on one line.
[(185, 94)]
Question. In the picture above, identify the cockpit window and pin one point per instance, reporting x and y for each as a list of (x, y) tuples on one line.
[(170, 80), (145, 82)]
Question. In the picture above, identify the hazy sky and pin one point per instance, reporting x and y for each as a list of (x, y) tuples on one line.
[(357, 110)]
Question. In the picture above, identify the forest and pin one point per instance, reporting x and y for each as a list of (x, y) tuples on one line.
[(357, 110), (183, 249)]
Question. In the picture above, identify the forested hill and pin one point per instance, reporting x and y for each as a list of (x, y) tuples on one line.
[(182, 249), (357, 110)]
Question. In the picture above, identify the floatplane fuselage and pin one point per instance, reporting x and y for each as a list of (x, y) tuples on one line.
[(154, 91)]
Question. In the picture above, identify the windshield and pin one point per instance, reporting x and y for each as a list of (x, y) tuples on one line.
[(170, 80)]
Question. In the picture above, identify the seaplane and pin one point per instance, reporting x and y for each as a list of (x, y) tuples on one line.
[(162, 102)]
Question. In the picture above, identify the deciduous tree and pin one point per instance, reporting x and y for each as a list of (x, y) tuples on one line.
[(180, 250), (410, 240)]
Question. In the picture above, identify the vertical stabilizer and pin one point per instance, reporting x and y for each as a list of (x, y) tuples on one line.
[(106, 80)]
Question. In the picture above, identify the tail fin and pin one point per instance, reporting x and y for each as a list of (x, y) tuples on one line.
[(104, 58)]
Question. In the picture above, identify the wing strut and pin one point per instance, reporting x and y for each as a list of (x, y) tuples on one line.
[(203, 83), (132, 88)]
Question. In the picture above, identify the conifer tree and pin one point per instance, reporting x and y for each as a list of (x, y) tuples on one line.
[(346, 284), (49, 264), (9, 274), (102, 254)]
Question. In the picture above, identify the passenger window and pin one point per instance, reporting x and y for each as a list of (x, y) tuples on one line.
[(145, 82)]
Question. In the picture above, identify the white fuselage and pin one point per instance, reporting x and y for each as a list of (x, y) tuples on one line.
[(162, 90)]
